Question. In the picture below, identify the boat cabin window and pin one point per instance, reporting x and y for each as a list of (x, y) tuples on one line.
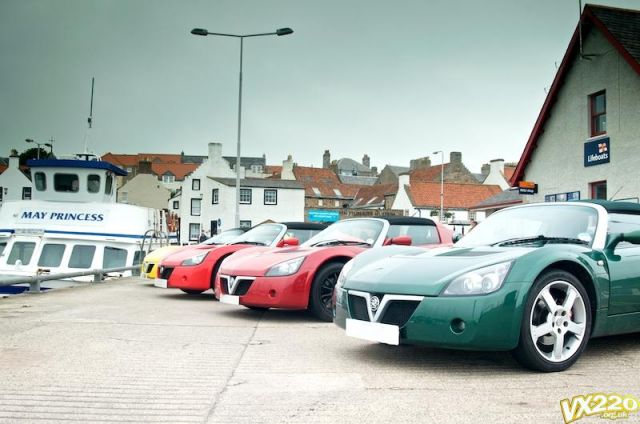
[(51, 255), (3, 244), (66, 182), (40, 181), (109, 184), (21, 251), (82, 256), (93, 183), (114, 258), (137, 258)]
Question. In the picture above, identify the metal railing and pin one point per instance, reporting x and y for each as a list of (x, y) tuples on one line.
[(35, 280)]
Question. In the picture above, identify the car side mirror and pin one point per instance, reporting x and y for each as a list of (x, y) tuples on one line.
[(291, 241), (456, 237), (613, 240), (402, 241)]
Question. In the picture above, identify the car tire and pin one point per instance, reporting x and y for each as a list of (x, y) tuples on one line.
[(192, 292), (322, 291), (214, 274), (559, 303)]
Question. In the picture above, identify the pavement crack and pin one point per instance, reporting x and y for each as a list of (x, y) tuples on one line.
[(228, 383)]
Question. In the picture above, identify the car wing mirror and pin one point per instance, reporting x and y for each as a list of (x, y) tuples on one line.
[(291, 241), (402, 241), (614, 239), (456, 237)]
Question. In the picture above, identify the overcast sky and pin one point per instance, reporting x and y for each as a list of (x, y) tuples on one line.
[(393, 79)]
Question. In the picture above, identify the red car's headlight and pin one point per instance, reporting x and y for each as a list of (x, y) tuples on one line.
[(285, 268)]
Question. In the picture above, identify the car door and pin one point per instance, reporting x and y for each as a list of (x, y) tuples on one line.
[(624, 267)]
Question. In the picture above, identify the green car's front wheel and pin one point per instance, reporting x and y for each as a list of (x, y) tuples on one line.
[(556, 323)]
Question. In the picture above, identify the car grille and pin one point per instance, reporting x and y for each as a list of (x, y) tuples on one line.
[(398, 312), (358, 308), (165, 272), (242, 286)]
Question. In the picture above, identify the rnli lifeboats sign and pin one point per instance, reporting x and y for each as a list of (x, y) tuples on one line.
[(52, 216), (597, 152)]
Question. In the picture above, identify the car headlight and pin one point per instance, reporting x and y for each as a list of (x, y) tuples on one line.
[(285, 268), (343, 274), (480, 281), (195, 260)]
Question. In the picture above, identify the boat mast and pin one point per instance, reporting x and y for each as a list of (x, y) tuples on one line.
[(86, 155)]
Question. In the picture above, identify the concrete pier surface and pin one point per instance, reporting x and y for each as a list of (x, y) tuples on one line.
[(125, 351)]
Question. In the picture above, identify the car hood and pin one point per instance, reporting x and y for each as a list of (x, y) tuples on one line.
[(159, 254), (426, 273), (187, 252), (257, 261)]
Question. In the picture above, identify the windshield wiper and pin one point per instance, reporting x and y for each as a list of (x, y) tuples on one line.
[(540, 238), (257, 243), (340, 242)]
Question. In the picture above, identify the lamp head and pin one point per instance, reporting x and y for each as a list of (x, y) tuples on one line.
[(284, 31), (199, 31)]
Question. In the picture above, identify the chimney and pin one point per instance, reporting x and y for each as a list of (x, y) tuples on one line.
[(215, 151), (144, 167), (485, 169), (374, 171), (287, 169), (496, 166), (326, 159), (14, 159), (366, 161), (455, 157), (182, 156), (420, 163)]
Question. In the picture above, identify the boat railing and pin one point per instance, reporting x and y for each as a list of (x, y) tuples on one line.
[(35, 280)]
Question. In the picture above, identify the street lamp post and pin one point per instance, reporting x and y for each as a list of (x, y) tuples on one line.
[(441, 184), (30, 140), (204, 32)]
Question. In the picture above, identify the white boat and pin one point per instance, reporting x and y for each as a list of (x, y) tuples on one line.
[(73, 222)]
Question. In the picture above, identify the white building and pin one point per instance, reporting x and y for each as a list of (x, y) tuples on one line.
[(14, 184), (207, 198), (584, 144)]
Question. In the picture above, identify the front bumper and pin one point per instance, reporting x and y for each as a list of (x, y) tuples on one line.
[(288, 292), (490, 322), (197, 277)]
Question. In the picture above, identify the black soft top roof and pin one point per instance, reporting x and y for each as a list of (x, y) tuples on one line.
[(616, 207), (408, 220), (305, 225)]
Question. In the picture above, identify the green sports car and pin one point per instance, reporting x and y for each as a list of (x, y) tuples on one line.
[(537, 279)]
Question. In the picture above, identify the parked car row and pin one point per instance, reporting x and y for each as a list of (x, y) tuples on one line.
[(538, 280)]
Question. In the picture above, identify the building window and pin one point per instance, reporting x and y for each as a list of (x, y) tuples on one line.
[(195, 207), (336, 203), (1, 196), (93, 183), (194, 231), (598, 112), (214, 196), (66, 183), (245, 196), (271, 197), (40, 181), (320, 202), (26, 193), (245, 224), (168, 178), (599, 190), (472, 215), (176, 204), (195, 185)]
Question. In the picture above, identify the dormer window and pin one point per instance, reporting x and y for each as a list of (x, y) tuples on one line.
[(316, 191), (69, 183)]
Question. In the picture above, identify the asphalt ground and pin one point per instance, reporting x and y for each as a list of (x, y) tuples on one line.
[(125, 351)]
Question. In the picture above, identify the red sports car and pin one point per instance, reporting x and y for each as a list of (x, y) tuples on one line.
[(303, 277), (194, 270)]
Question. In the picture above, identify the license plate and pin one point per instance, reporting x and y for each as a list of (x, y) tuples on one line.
[(160, 282), (230, 300), (373, 331)]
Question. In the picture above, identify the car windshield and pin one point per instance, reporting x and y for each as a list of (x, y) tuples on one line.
[(224, 237), (534, 224), (420, 234), (301, 234), (262, 235), (352, 231)]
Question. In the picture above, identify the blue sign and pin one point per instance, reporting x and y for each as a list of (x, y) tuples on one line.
[(317, 215), (597, 152)]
